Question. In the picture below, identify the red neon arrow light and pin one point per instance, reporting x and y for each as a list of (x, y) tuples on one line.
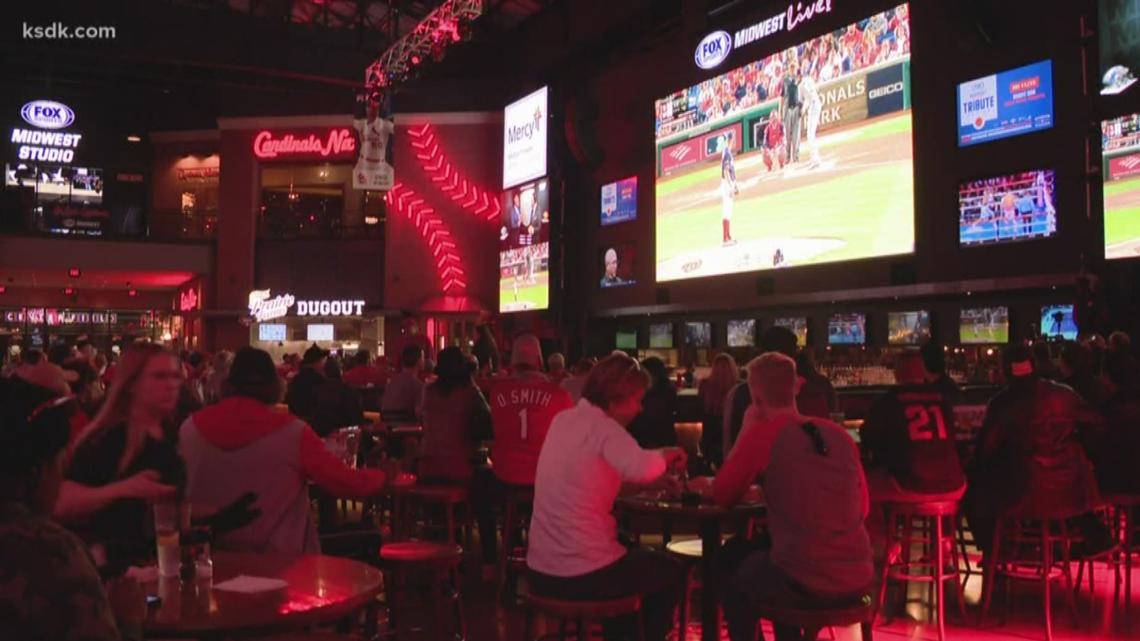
[(449, 267), (440, 170)]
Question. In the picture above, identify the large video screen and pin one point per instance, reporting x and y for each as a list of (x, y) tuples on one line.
[(847, 329), (798, 325), (619, 201), (802, 157), (1057, 322), (1007, 208), (626, 339), (984, 325), (320, 332), (1119, 45), (698, 334), (616, 264), (524, 248), (524, 139), (1008, 103), (908, 328), (1120, 143), (271, 332), (742, 333)]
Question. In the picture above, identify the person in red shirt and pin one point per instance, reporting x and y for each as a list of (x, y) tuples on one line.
[(774, 141), (363, 372), (522, 408)]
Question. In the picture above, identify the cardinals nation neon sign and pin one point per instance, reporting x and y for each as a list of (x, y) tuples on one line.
[(335, 143)]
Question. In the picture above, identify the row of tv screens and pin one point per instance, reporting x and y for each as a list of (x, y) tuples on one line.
[(277, 332), (977, 326)]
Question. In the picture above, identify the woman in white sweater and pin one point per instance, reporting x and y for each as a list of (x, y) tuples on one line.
[(573, 552)]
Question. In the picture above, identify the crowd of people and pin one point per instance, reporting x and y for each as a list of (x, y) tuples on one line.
[(79, 472)]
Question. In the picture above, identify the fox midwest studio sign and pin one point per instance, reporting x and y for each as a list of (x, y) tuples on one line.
[(264, 306), (714, 48), (43, 141)]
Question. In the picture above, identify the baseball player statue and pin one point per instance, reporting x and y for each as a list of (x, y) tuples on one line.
[(728, 188)]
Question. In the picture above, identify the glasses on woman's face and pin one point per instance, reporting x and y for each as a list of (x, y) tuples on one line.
[(816, 439)]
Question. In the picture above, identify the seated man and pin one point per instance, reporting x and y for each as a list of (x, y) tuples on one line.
[(909, 436), (522, 408), (817, 502), (404, 393)]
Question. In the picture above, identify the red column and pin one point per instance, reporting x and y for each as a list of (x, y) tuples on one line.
[(237, 234)]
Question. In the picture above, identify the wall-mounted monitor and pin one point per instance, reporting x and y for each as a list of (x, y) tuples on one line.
[(525, 126), (1007, 208), (1120, 147), (1119, 45), (616, 264), (1007, 103), (908, 328), (757, 168), (798, 325), (319, 332), (619, 201), (698, 334), (847, 329), (742, 333), (661, 336), (524, 248), (984, 325), (1057, 322), (626, 339), (271, 332)]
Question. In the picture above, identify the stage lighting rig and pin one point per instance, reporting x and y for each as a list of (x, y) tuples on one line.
[(447, 25)]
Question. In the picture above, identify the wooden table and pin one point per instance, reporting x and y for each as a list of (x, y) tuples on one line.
[(322, 589), (710, 517)]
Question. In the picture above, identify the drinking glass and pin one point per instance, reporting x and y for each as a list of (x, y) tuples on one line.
[(170, 518)]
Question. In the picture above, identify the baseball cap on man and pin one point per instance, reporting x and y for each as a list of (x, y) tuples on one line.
[(527, 351)]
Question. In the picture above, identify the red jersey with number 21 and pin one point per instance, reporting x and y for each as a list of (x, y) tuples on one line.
[(521, 411)]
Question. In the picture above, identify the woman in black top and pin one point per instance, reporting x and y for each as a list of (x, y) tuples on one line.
[(132, 434), (653, 428)]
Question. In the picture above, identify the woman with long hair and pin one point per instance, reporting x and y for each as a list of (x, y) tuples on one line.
[(130, 436), (714, 392), (653, 427)]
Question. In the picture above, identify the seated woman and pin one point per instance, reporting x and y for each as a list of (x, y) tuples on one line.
[(714, 392), (242, 445), (654, 427), (49, 587), (574, 551), (456, 417)]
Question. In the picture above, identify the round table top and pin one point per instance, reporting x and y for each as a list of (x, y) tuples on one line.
[(321, 589), (656, 503)]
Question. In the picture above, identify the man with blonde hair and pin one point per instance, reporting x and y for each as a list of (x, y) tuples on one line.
[(820, 554)]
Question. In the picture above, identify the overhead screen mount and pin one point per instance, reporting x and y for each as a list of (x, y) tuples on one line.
[(439, 30)]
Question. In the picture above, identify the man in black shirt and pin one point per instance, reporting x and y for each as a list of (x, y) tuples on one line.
[(791, 111), (910, 438)]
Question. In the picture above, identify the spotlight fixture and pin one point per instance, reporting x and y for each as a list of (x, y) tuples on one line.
[(3, 289), (74, 272), (68, 291), (446, 25), (134, 138), (132, 292)]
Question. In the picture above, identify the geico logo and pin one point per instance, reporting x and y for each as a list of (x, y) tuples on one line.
[(879, 92)]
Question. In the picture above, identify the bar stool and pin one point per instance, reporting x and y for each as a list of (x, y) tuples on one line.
[(937, 531), (690, 553), (449, 498), (812, 620), (430, 568), (1126, 519), (1032, 538), (582, 613), (517, 505)]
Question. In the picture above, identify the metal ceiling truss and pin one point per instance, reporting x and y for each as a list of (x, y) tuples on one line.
[(441, 28)]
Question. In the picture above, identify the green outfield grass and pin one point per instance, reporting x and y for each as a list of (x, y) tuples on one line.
[(972, 335), (893, 125), (1122, 223), (1121, 186), (537, 295)]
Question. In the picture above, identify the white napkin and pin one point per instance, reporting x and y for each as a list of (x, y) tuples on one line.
[(251, 584)]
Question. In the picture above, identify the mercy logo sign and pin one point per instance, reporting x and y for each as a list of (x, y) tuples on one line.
[(713, 49), (524, 139)]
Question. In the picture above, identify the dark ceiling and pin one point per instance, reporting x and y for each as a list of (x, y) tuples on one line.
[(180, 64)]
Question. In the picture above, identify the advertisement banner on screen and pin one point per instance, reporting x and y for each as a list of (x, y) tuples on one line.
[(886, 90), (680, 155), (524, 139), (619, 201), (1008, 103), (1123, 166), (716, 141)]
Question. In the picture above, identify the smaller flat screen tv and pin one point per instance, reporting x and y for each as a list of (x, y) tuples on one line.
[(908, 328), (626, 339), (798, 325), (619, 201), (698, 334), (742, 333), (661, 336), (270, 332), (617, 263), (847, 329), (1007, 103), (1057, 322), (320, 332), (1007, 208), (984, 325)]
